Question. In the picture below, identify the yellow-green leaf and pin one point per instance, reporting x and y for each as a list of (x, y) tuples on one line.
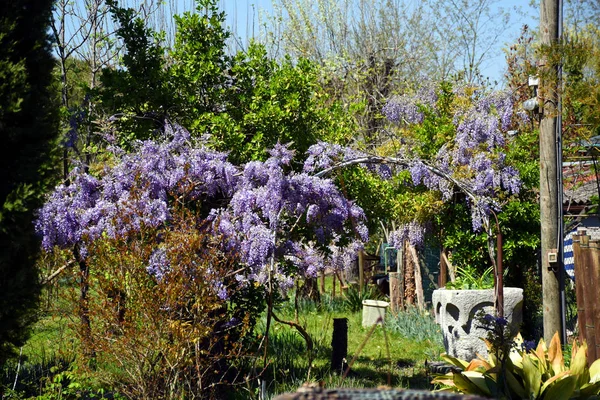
[(553, 379), (465, 385), (454, 361), (515, 385), (478, 365), (555, 356), (595, 371), (589, 389), (579, 364), (561, 390), (480, 381), (532, 377)]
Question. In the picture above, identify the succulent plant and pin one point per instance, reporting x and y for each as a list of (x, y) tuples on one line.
[(538, 373)]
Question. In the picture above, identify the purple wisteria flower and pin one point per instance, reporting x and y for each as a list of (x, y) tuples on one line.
[(159, 265), (408, 107), (262, 208)]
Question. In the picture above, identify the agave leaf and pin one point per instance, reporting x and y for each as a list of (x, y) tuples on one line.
[(478, 365), (516, 358), (595, 371), (555, 355), (466, 385), (589, 389), (488, 344), (515, 385), (541, 363), (561, 390), (445, 380), (532, 377), (454, 361), (574, 349), (579, 366), (541, 349), (554, 379), (481, 381)]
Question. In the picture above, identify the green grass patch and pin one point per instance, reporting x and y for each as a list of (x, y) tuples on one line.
[(47, 366), (412, 337)]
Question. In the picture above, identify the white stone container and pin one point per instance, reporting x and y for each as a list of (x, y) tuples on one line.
[(456, 311), (372, 310)]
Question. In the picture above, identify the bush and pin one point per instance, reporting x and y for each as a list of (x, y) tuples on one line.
[(164, 328)]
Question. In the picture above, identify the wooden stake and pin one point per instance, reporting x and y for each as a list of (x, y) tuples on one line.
[(361, 271), (394, 292), (333, 286), (418, 279), (322, 282)]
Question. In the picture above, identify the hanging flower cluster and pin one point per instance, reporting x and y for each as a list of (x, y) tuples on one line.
[(473, 162), (270, 216)]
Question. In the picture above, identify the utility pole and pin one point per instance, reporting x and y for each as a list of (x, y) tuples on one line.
[(549, 166)]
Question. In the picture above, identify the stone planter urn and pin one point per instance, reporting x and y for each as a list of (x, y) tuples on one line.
[(456, 310)]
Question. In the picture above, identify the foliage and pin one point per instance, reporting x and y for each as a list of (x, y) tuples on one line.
[(28, 127), (353, 297), (139, 88), (451, 150), (415, 324), (171, 335), (249, 205), (469, 278), (246, 102), (368, 49), (538, 373)]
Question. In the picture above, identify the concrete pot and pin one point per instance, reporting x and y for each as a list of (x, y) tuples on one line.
[(455, 312)]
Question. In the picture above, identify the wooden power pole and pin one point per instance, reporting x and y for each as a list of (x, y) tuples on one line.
[(549, 207)]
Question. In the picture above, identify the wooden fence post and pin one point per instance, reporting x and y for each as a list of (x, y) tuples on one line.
[(443, 276), (579, 283), (339, 344), (418, 279), (589, 295), (594, 348), (322, 282)]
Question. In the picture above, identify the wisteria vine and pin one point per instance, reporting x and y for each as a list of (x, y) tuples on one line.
[(473, 163), (282, 224)]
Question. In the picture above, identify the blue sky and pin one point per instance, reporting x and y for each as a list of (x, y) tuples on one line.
[(244, 15)]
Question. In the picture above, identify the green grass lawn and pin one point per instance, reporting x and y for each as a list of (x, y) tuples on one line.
[(45, 364), (412, 337)]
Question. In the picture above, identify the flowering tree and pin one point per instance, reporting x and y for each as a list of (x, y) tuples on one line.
[(453, 143), (250, 205), (273, 226)]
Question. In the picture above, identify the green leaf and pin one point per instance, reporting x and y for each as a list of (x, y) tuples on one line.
[(562, 389), (515, 385), (532, 377), (482, 381), (595, 371), (465, 385), (579, 366), (455, 361)]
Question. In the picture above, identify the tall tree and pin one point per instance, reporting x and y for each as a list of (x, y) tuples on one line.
[(28, 126), (372, 48)]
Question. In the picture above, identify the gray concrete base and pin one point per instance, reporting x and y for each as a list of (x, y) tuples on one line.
[(455, 312)]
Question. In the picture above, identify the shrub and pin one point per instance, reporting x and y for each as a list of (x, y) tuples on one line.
[(165, 328)]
